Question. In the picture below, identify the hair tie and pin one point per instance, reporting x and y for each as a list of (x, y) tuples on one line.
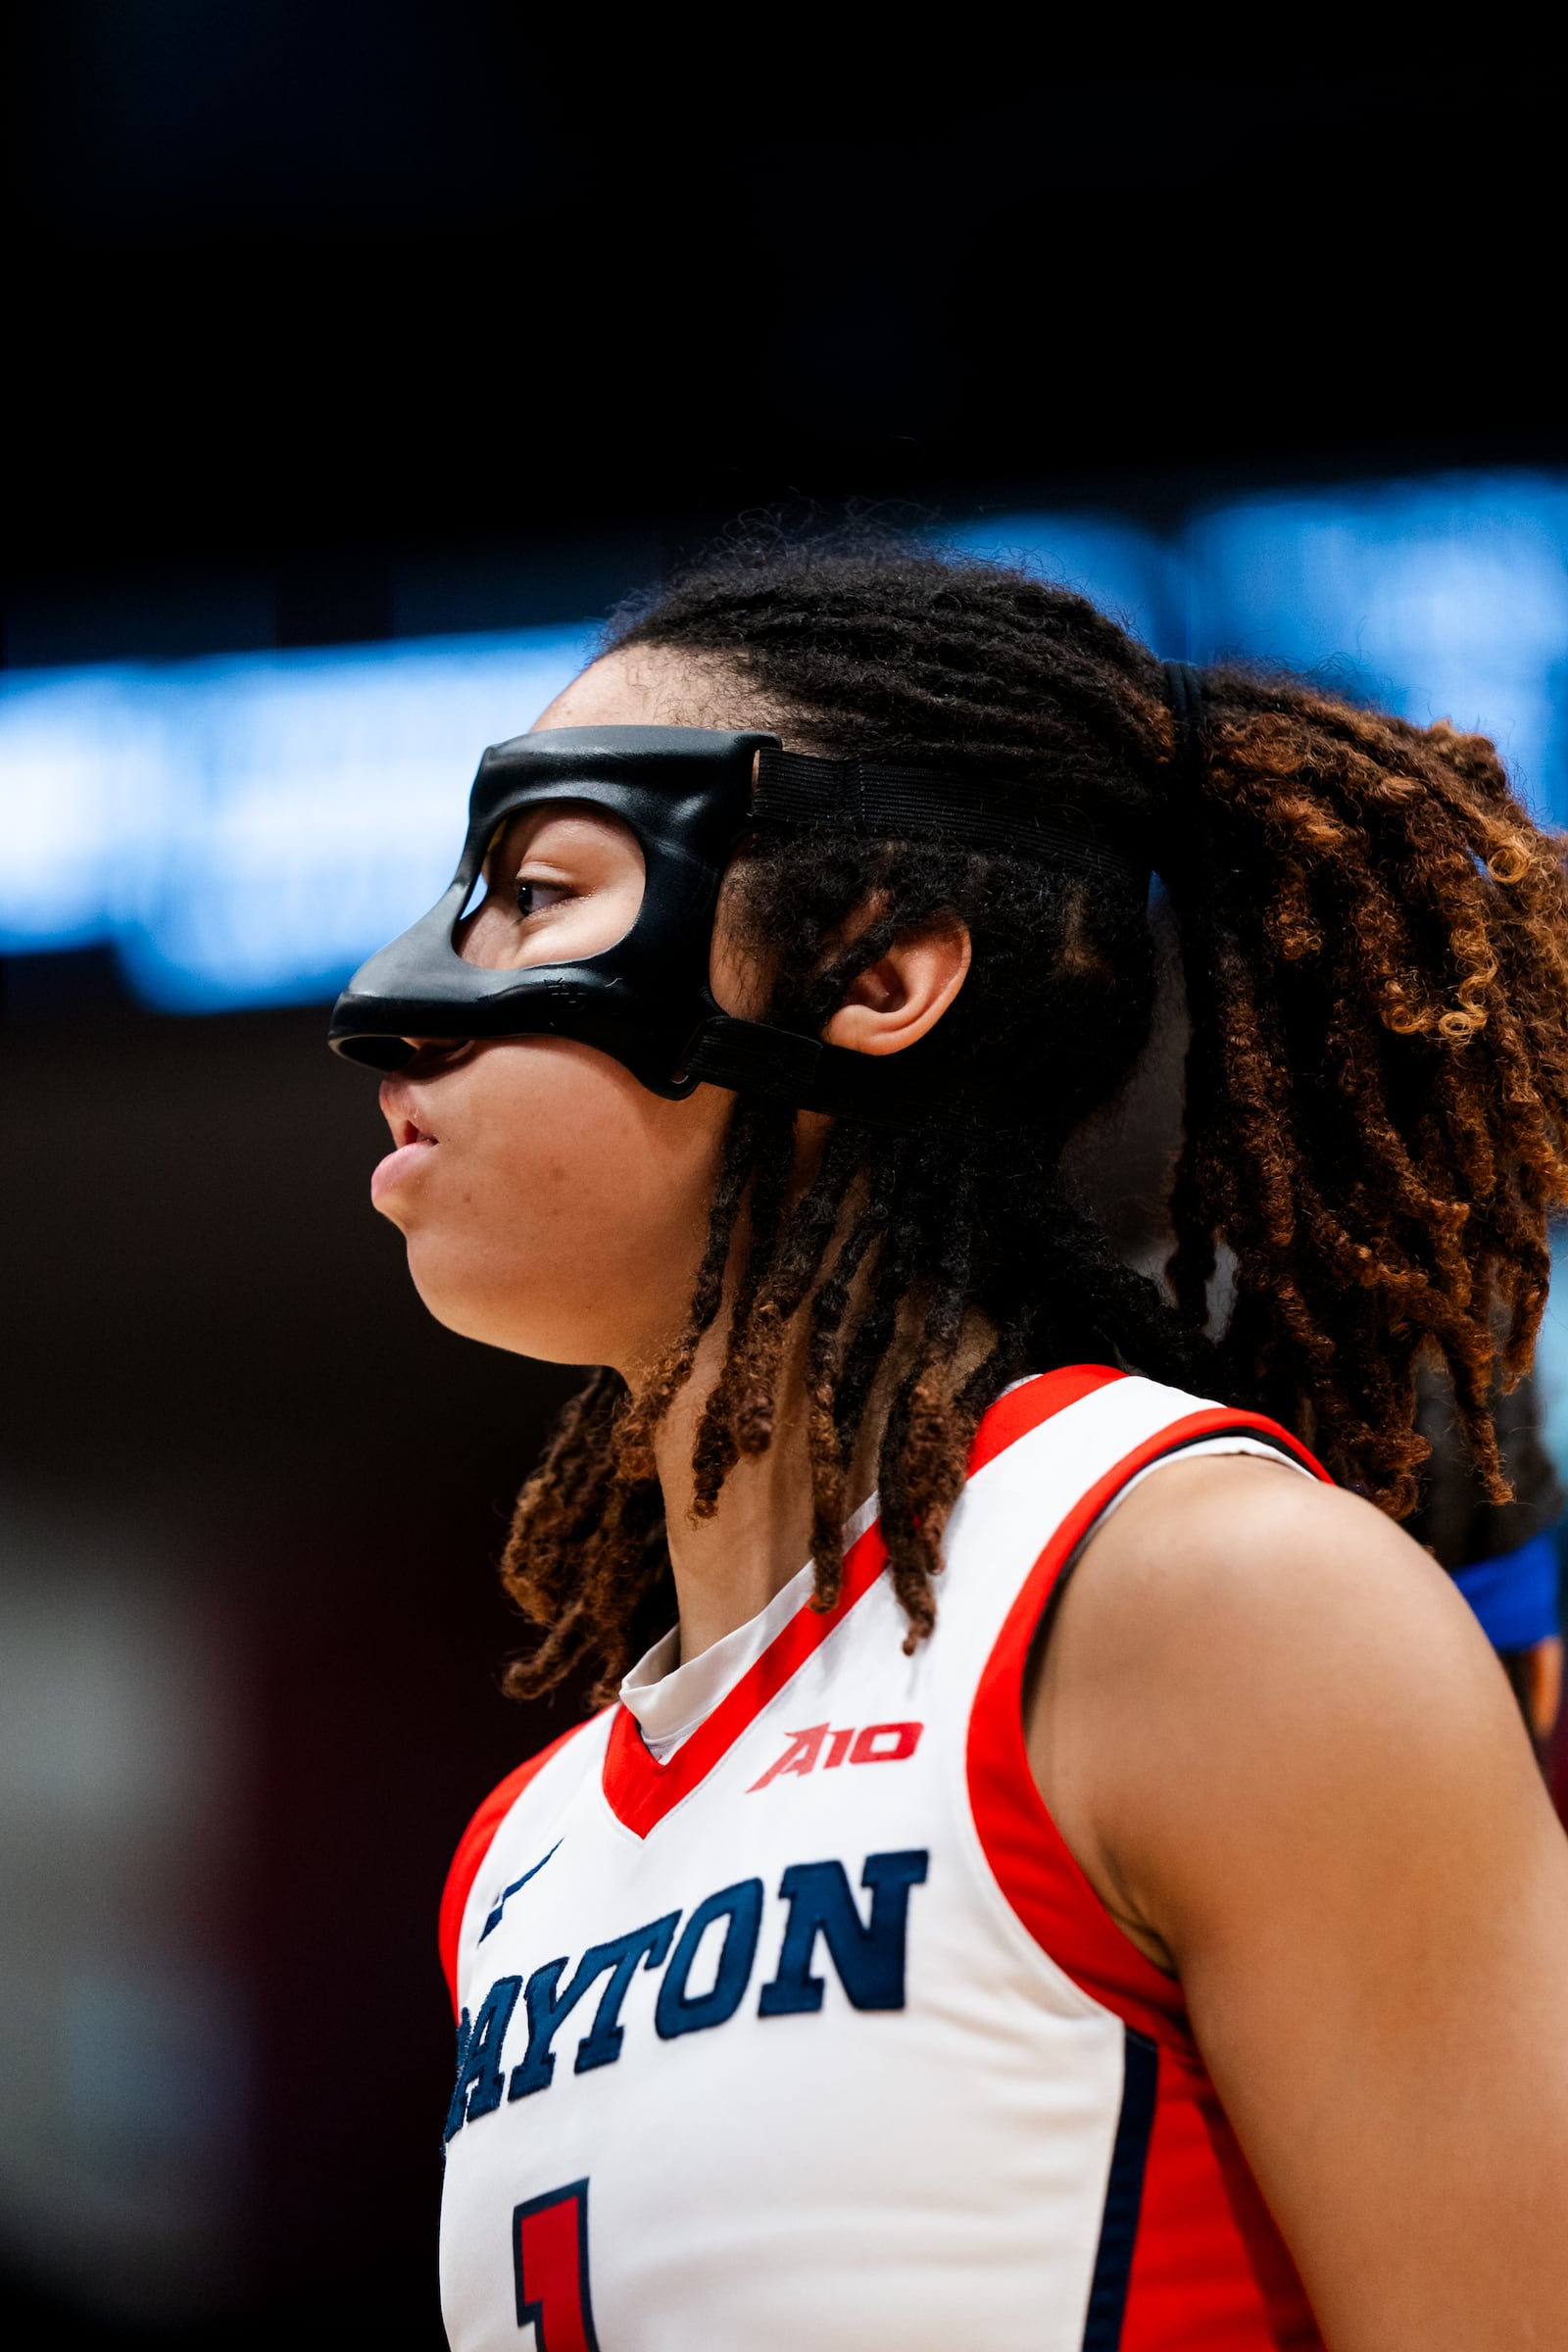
[(1184, 691)]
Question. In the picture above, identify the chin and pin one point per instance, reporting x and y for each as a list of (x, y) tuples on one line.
[(474, 1313), (470, 1318), (460, 1305)]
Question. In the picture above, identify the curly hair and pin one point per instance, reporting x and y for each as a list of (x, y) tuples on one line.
[(1374, 955)]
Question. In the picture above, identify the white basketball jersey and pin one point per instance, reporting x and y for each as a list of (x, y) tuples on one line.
[(811, 2037)]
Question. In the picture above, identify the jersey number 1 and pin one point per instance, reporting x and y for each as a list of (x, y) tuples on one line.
[(550, 2262)]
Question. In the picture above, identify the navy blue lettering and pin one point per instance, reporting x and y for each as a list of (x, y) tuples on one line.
[(453, 2104), (869, 1956), (678, 2013), (601, 2045), (549, 2010), (480, 2082)]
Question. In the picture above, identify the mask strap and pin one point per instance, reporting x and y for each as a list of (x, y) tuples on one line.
[(750, 1057), (799, 793), (907, 804)]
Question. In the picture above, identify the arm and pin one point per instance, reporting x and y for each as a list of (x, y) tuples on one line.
[(1286, 1760)]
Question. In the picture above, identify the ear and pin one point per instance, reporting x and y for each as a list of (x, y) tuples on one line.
[(895, 1000)]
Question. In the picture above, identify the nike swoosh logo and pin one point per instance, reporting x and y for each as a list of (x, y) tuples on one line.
[(494, 1920)]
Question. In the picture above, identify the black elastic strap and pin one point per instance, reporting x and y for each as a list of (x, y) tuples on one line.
[(1184, 691), (782, 1066), (907, 804)]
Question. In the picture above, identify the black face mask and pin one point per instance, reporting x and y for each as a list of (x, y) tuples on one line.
[(689, 796)]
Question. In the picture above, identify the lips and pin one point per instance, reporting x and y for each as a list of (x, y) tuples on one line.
[(412, 1144), (399, 1165)]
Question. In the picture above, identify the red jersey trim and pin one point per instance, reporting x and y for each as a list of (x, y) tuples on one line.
[(640, 1791), (1207, 2265), (1031, 1403), (1028, 1856), (472, 1848)]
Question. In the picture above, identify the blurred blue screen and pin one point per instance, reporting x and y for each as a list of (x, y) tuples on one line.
[(246, 830), (1440, 599), (1126, 570)]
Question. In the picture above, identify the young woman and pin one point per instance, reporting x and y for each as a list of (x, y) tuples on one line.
[(921, 1949)]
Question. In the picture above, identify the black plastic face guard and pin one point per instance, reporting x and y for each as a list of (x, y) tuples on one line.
[(687, 794)]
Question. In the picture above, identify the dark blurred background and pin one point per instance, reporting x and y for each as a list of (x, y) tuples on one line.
[(427, 332)]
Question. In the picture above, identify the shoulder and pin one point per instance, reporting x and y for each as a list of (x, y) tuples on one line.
[(1235, 1548), (1283, 1753), (1245, 1660), (1220, 1562)]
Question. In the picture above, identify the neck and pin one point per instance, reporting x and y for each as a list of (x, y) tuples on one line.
[(728, 1566)]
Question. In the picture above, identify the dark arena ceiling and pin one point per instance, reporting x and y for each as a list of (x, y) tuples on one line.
[(286, 277)]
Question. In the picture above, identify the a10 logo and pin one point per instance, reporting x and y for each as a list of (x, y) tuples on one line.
[(819, 1746)]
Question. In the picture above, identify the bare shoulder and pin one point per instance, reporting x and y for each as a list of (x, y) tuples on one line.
[(1235, 1564), (1236, 1533), (1244, 1655), (1291, 1767)]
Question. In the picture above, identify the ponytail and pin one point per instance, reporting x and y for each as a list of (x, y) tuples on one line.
[(1373, 940)]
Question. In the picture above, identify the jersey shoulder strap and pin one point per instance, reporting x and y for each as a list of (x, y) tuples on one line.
[(473, 1845), (1135, 1425)]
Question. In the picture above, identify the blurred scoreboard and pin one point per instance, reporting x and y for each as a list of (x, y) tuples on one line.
[(244, 830)]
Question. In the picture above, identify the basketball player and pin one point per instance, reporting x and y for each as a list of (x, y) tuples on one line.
[(1057, 1867)]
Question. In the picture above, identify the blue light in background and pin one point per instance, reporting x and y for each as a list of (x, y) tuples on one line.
[(1444, 597), (1441, 599), (1130, 574), (244, 831)]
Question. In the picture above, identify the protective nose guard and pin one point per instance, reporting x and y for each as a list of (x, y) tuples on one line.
[(687, 794)]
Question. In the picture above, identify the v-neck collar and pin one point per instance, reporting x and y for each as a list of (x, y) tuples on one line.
[(640, 1791)]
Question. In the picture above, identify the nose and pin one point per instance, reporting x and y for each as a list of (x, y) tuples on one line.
[(427, 1057)]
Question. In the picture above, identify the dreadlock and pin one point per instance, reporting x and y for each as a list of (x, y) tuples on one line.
[(1375, 957)]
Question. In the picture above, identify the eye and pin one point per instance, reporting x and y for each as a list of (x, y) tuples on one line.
[(536, 898)]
